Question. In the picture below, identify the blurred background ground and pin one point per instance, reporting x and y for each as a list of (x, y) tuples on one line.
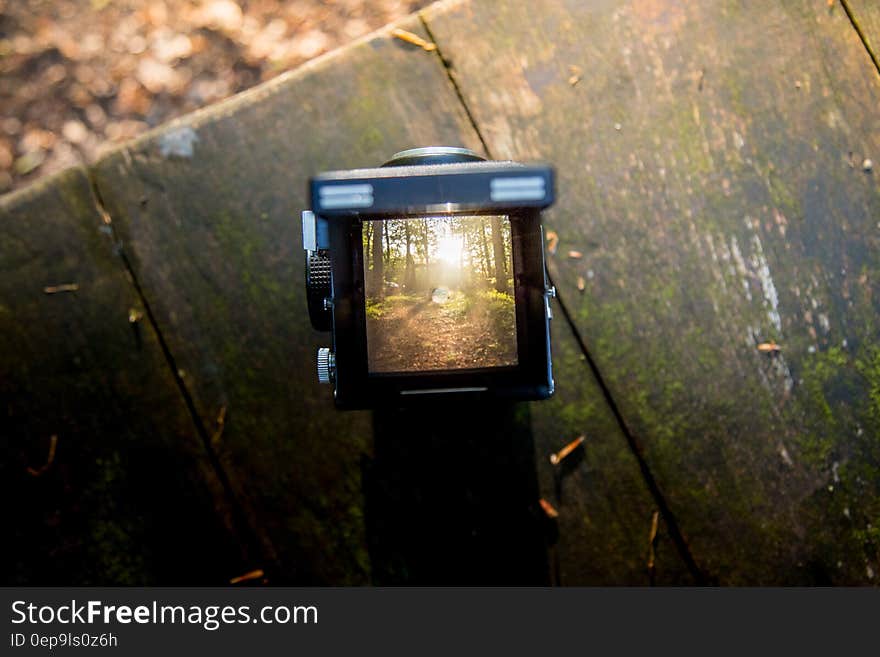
[(78, 76)]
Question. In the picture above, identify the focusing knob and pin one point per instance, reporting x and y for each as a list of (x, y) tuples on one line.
[(326, 365), (433, 155), (318, 290)]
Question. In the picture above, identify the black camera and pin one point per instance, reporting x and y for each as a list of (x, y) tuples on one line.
[(429, 272)]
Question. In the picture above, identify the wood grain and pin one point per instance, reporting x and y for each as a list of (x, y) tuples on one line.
[(601, 535), (104, 477), (709, 163)]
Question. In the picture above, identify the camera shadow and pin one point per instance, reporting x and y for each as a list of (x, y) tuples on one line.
[(452, 497)]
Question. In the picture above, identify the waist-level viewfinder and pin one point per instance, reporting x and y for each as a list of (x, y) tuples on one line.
[(429, 274)]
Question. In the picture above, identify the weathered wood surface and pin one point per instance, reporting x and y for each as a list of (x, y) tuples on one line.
[(709, 159), (710, 171), (125, 496), (601, 537), (206, 214)]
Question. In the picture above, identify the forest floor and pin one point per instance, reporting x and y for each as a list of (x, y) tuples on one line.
[(78, 76), (469, 330)]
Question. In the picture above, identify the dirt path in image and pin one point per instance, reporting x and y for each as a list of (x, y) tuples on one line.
[(424, 335)]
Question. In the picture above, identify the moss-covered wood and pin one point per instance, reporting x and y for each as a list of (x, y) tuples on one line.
[(104, 480), (723, 273), (602, 535), (710, 173)]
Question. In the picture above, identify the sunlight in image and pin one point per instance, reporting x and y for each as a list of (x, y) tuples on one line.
[(450, 249)]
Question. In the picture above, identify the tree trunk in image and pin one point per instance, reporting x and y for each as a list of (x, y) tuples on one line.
[(378, 284), (425, 244), (500, 261), (368, 233), (487, 268), (408, 275)]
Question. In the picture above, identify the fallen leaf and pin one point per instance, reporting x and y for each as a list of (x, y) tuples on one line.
[(65, 287), (28, 162), (652, 536), (310, 44), (558, 457), (74, 132), (575, 255), (170, 47), (53, 444), (769, 347), (548, 508), (221, 423), (156, 76), (132, 98), (223, 15), (414, 39), (247, 577), (786, 457), (552, 242)]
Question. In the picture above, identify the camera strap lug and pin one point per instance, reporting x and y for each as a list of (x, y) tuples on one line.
[(549, 293)]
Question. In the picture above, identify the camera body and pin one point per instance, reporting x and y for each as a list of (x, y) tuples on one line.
[(429, 273)]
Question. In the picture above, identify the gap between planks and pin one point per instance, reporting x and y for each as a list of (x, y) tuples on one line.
[(247, 537), (862, 37), (678, 538)]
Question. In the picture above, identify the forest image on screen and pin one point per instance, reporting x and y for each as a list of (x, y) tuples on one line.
[(439, 293)]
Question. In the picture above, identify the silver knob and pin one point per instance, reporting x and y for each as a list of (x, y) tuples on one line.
[(326, 365)]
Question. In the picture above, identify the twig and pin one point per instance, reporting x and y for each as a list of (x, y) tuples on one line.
[(652, 539), (548, 508), (557, 458), (247, 577), (65, 287), (53, 444), (552, 242), (414, 39), (221, 422)]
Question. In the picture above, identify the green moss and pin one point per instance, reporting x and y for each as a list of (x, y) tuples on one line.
[(375, 309), (781, 196), (819, 371), (371, 139), (114, 553), (869, 368)]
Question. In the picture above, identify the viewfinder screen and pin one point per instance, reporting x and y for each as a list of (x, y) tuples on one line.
[(439, 293)]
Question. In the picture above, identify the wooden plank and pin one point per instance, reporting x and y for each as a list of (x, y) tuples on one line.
[(208, 210), (866, 16), (104, 476), (709, 159)]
